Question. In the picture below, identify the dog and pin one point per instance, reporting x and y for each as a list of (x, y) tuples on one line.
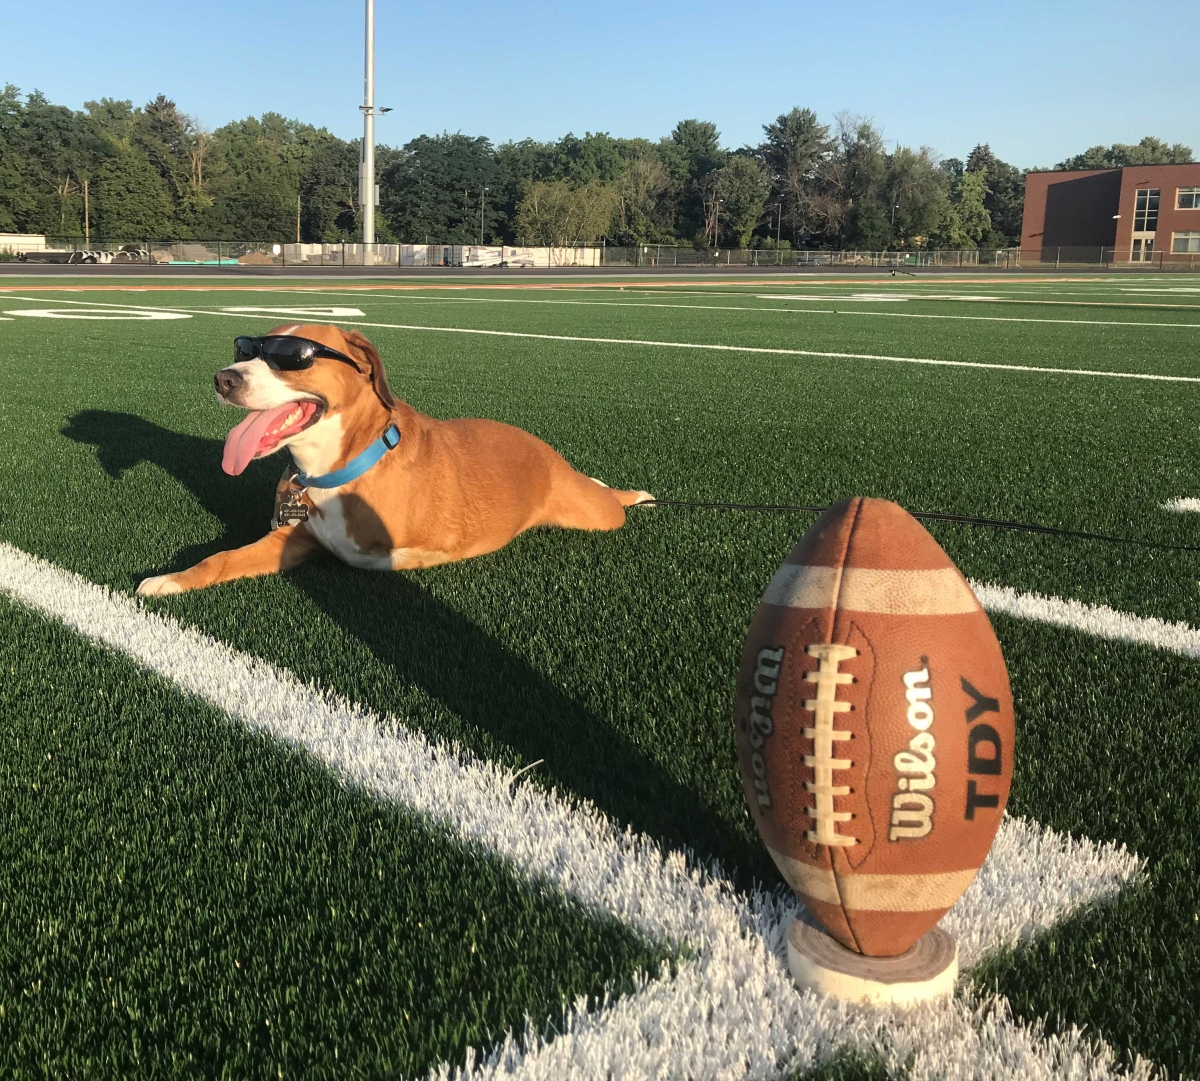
[(375, 482)]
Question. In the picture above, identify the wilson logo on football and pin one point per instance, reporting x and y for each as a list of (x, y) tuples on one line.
[(912, 809), (766, 683)]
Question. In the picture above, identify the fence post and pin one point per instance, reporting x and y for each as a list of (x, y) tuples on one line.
[(343, 253), (1057, 257)]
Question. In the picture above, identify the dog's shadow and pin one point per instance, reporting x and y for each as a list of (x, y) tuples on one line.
[(431, 646), (123, 441)]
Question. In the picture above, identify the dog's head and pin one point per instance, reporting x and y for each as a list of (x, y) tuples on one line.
[(291, 404)]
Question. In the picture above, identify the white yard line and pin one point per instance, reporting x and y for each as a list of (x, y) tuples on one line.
[(1119, 299), (410, 297), (702, 346), (1095, 619), (1183, 505), (731, 1010)]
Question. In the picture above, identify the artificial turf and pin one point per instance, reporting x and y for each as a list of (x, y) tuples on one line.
[(612, 657), (181, 897)]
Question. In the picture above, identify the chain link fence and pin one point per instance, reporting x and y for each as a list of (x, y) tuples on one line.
[(226, 253)]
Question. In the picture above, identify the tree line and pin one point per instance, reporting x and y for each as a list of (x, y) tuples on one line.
[(113, 170)]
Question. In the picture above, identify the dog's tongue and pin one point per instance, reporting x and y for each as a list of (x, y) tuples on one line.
[(243, 442)]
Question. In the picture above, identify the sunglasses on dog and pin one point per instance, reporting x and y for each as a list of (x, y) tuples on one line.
[(284, 353)]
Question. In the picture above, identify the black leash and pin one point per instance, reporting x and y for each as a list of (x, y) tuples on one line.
[(936, 516)]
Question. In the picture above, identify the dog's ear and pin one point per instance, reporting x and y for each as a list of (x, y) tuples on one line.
[(378, 378)]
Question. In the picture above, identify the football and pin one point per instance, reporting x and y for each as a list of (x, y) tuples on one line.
[(874, 726)]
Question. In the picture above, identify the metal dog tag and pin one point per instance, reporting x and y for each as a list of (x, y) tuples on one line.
[(292, 511)]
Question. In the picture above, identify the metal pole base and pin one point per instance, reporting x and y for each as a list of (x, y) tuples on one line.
[(923, 973)]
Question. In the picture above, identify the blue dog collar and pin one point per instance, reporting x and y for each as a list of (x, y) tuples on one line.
[(357, 466)]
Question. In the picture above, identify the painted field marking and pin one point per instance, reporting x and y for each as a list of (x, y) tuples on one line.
[(313, 313), (1166, 290), (1183, 505), (1032, 294), (1022, 319), (105, 313), (1095, 619), (853, 297), (410, 298), (731, 1009), (887, 297), (713, 347)]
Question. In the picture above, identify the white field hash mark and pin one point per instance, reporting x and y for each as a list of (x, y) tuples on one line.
[(1183, 505), (731, 1010), (702, 346)]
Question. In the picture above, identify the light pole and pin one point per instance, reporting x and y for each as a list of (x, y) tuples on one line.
[(481, 191), (778, 222), (368, 192)]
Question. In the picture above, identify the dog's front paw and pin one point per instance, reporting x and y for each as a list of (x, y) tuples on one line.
[(161, 585)]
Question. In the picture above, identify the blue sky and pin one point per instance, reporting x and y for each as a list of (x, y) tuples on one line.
[(1038, 81)]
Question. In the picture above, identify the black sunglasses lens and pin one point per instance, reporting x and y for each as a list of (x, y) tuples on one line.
[(288, 354), (244, 349)]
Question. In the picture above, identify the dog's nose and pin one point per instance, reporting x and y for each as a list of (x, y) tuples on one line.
[(227, 381)]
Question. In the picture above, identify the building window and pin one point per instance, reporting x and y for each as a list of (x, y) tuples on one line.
[(1145, 218), (1187, 199), (1185, 242)]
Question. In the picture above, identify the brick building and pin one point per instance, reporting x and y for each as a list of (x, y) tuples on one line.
[(1141, 213)]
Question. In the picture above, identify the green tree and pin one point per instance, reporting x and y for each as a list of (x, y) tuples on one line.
[(16, 202), (256, 177), (560, 214), (690, 153), (57, 147), (1006, 196), (854, 203), (1150, 151), (917, 196), (116, 120), (973, 215), (163, 133), (329, 191), (431, 189), (739, 191), (642, 213), (795, 147), (966, 222), (130, 200), (594, 157), (517, 165)]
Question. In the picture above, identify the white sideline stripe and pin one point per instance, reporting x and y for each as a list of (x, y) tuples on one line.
[(1095, 619), (1183, 505), (732, 1009), (411, 297), (699, 345)]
